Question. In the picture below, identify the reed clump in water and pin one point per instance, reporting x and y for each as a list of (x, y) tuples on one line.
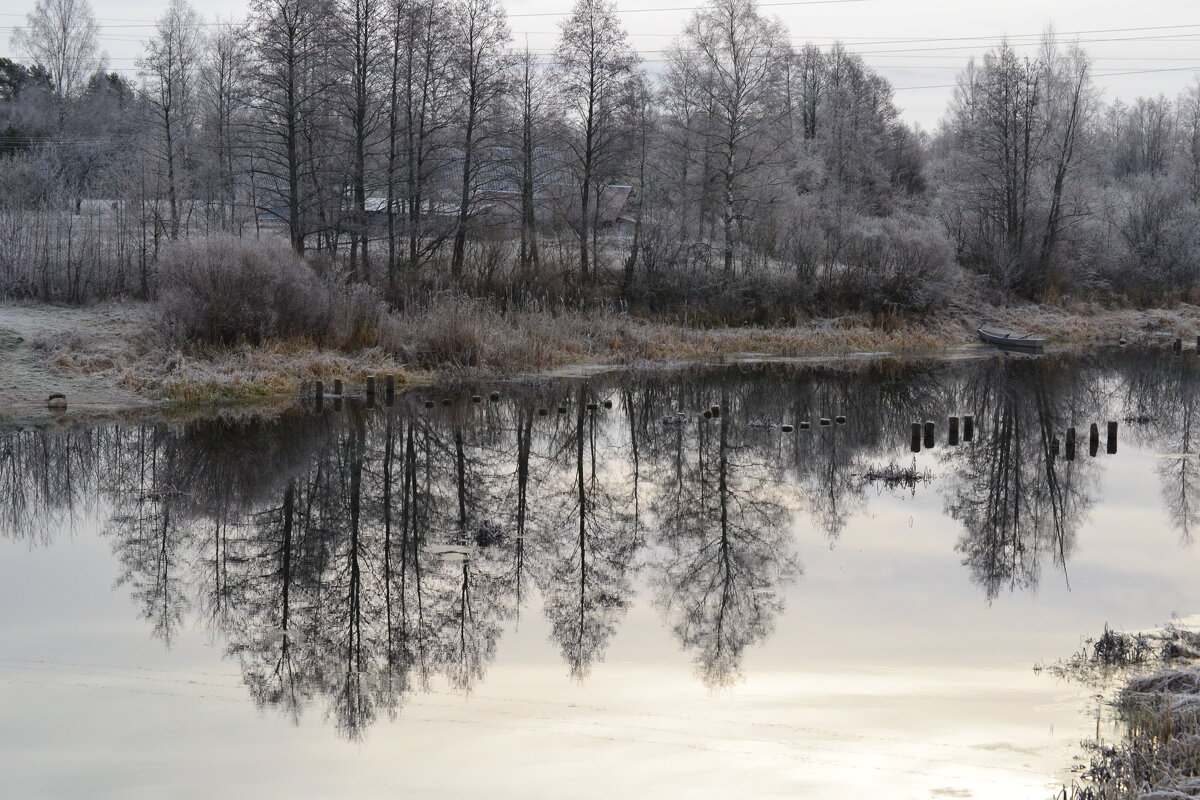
[(895, 476)]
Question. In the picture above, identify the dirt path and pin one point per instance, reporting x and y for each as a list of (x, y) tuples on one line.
[(29, 373)]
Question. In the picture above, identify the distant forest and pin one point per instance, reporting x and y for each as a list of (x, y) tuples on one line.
[(414, 146)]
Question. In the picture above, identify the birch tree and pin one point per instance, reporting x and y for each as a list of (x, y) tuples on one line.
[(480, 65), (743, 58), (594, 65), (60, 37), (170, 67)]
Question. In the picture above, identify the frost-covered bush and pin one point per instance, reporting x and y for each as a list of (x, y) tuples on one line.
[(903, 262), (226, 290)]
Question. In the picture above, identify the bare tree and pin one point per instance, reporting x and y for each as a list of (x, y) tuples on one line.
[(60, 37), (743, 59), (594, 63), (533, 106), (997, 128), (1070, 108), (290, 38), (362, 21), (170, 66), (224, 90), (480, 65)]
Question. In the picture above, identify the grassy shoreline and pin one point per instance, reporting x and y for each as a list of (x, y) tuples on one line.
[(110, 354)]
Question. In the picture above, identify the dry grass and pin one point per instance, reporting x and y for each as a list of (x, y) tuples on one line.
[(1091, 323), (456, 334), (273, 370)]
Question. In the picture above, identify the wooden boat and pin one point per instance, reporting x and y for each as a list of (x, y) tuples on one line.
[(1006, 338)]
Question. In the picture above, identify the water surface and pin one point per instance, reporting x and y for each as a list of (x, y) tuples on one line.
[(502, 599)]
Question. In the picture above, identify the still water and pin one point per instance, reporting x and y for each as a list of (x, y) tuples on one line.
[(631, 600)]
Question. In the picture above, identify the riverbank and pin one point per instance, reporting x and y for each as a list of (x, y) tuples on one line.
[(111, 356)]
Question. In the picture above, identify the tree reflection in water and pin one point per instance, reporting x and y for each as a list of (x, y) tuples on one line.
[(1018, 502), (350, 559)]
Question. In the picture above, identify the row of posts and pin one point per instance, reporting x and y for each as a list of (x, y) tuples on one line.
[(338, 391), (926, 435), (1177, 345), (1110, 445)]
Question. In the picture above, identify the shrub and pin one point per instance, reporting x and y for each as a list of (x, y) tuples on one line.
[(224, 290)]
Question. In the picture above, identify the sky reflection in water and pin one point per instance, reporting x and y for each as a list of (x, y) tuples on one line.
[(480, 600)]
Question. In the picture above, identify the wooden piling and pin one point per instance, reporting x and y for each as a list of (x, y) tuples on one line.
[(916, 437), (370, 386), (337, 387), (1070, 444), (542, 412), (840, 420), (805, 425), (593, 406), (608, 403), (1094, 440), (429, 404), (930, 434), (1055, 445), (1178, 345), (1111, 449), (715, 409), (953, 431), (786, 428), (825, 422), (494, 397), (389, 386), (319, 395), (476, 398), (968, 421)]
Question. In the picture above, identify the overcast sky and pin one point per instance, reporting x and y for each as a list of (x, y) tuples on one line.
[(920, 45)]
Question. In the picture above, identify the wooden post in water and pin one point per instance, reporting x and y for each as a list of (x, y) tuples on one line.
[(370, 386), (953, 435), (389, 387), (1070, 444), (968, 427), (1178, 346), (1094, 440), (1054, 447), (337, 387), (370, 401), (916, 437), (1112, 439), (930, 433), (319, 394)]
